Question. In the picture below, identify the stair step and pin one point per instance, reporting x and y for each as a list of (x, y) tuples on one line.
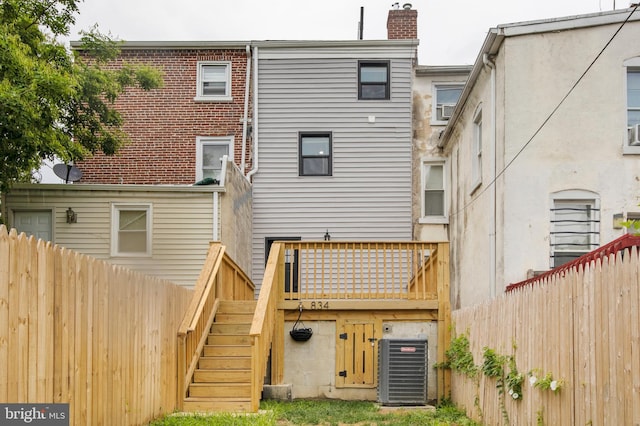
[(227, 350), (222, 318), (237, 307), (229, 339), (198, 404), (222, 376), (225, 362), (227, 390), (232, 328)]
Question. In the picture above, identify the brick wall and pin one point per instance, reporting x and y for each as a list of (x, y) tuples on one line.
[(402, 24), (163, 124)]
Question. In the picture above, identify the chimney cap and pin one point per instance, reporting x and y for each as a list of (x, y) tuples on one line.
[(406, 6)]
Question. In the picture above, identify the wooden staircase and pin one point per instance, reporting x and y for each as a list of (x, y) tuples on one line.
[(222, 379)]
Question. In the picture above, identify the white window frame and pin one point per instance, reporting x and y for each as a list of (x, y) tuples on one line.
[(632, 64), (435, 219), (211, 140), (476, 150), (115, 226), (434, 99), (199, 82), (575, 196)]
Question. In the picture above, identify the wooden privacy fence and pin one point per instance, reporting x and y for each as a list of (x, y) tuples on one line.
[(582, 326), (77, 330)]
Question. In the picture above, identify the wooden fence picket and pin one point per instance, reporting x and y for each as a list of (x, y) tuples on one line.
[(78, 330), (582, 326)]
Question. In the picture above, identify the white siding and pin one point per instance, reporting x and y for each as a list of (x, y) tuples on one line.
[(182, 226), (368, 196)]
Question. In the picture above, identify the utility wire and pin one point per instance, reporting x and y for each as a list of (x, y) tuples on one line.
[(504, 169)]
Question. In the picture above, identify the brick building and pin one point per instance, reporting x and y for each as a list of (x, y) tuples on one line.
[(179, 132)]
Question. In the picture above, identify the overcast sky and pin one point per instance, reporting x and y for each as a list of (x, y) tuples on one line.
[(451, 32)]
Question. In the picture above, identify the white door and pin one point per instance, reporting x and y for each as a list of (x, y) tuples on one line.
[(36, 223)]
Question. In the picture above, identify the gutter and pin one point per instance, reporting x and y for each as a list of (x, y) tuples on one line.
[(490, 47), (246, 110), (255, 115), (488, 60)]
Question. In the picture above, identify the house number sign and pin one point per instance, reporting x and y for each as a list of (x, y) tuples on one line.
[(319, 304)]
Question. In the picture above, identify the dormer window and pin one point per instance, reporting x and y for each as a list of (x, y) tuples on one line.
[(214, 81)]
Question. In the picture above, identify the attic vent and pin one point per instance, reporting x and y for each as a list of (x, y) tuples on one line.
[(402, 372)]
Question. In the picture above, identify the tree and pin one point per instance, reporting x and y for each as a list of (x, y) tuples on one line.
[(53, 102)]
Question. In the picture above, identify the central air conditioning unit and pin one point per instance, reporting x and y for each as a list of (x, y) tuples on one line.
[(402, 372), (634, 134)]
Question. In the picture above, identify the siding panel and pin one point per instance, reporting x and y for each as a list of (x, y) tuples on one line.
[(368, 196), (181, 235)]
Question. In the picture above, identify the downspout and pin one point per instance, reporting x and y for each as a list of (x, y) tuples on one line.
[(489, 61), (246, 111), (255, 115), (216, 226)]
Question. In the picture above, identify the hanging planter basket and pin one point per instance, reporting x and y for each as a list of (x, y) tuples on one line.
[(300, 334)]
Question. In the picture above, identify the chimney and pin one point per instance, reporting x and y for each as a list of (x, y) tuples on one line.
[(402, 24)]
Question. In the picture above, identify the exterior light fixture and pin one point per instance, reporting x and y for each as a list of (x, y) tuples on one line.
[(72, 217), (327, 237)]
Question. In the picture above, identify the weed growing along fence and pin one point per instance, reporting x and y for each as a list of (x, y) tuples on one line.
[(574, 336), (77, 330)]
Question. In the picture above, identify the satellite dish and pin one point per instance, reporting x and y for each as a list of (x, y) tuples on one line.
[(67, 172)]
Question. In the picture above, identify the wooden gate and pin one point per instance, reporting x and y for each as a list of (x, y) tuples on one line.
[(356, 359)]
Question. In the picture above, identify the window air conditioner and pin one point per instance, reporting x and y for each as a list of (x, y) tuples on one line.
[(447, 111), (634, 134)]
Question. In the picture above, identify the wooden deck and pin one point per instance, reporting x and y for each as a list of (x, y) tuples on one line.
[(328, 280)]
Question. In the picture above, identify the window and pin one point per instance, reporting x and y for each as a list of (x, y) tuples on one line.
[(575, 225), (214, 81), (476, 155), (131, 230), (434, 192), (209, 153), (444, 101), (633, 106), (315, 154), (632, 80), (373, 80), (633, 217)]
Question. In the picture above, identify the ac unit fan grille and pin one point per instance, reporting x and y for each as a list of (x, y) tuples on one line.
[(402, 372)]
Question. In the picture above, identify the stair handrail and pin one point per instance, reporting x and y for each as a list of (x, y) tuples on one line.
[(422, 284), (197, 319), (264, 320)]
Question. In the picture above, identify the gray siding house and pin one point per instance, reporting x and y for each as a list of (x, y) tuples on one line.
[(333, 138)]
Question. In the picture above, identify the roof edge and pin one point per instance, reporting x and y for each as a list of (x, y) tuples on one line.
[(204, 44), (116, 187)]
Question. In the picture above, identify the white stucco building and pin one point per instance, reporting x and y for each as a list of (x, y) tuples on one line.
[(542, 149)]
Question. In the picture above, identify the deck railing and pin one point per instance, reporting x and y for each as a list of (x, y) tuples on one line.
[(220, 279), (360, 270)]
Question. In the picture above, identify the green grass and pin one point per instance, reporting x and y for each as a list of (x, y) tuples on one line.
[(325, 413)]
